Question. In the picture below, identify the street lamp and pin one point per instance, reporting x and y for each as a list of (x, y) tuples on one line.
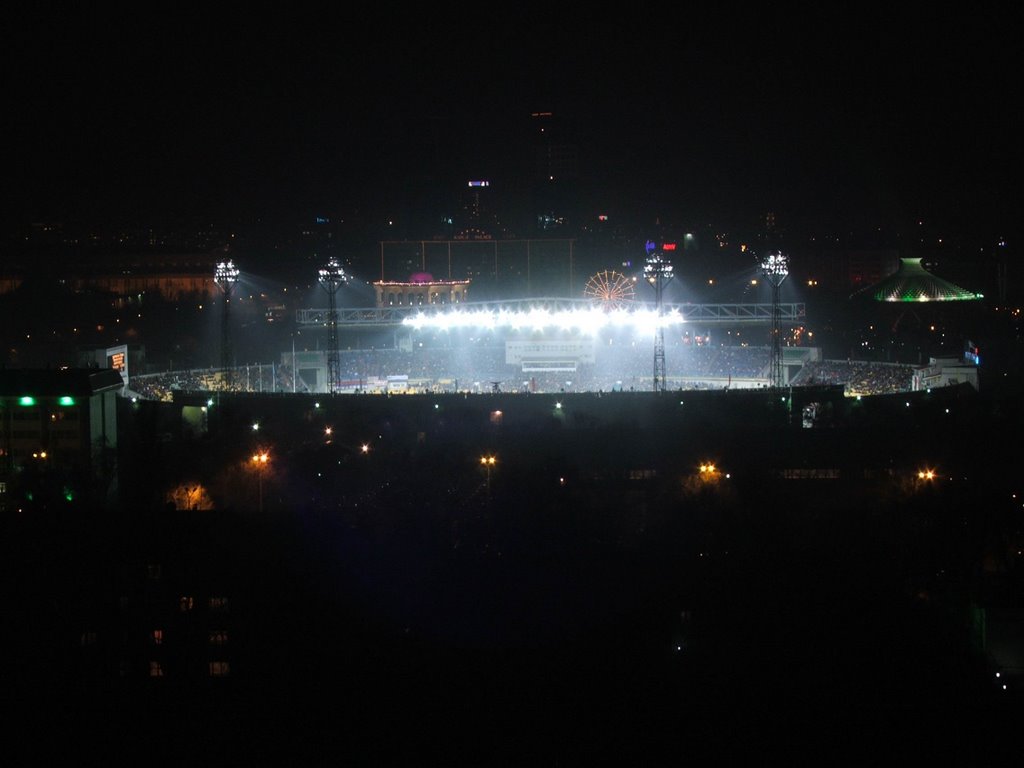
[(260, 460), (488, 462)]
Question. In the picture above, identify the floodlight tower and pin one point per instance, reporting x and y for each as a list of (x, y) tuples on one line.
[(775, 267), (225, 276), (332, 277), (658, 272)]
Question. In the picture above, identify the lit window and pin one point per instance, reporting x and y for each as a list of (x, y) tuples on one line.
[(186, 604), (156, 669), (158, 637), (218, 603), (219, 669)]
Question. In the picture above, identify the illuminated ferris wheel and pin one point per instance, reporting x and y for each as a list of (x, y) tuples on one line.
[(612, 289)]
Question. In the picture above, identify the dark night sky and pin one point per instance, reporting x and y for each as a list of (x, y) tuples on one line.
[(852, 116)]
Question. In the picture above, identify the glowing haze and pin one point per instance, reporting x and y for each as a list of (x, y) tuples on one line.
[(585, 321)]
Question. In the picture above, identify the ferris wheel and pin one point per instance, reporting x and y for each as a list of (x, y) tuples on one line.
[(612, 289)]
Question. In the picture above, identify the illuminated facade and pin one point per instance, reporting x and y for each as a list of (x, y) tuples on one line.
[(421, 290), (177, 287)]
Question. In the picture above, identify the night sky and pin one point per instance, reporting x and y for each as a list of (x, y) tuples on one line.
[(828, 117)]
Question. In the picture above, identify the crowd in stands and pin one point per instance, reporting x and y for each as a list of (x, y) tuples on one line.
[(483, 368), (250, 378), (858, 377)]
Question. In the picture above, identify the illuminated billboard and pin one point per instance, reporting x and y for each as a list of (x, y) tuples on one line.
[(117, 358)]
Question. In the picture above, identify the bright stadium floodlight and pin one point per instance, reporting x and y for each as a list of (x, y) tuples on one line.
[(657, 268), (658, 272), (331, 276), (775, 267), (587, 321), (225, 275)]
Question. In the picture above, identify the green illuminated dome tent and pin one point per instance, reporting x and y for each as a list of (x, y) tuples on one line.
[(912, 282), (925, 314)]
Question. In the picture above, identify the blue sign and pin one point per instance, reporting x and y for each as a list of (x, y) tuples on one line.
[(650, 247)]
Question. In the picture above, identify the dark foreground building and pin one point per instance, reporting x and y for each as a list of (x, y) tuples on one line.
[(530, 580), (58, 438)]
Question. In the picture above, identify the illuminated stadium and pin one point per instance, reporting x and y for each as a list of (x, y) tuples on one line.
[(440, 342), (426, 335)]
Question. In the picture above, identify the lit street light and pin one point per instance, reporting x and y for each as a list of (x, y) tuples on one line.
[(260, 461), (488, 462)]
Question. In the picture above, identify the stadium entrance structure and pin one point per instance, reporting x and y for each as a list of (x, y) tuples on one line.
[(421, 289)]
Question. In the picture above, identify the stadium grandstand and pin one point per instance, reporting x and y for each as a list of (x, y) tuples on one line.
[(483, 365)]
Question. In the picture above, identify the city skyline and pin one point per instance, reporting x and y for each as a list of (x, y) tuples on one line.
[(829, 123)]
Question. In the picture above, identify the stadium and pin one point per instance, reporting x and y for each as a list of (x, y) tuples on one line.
[(622, 332)]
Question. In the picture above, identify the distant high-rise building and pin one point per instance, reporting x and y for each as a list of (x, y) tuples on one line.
[(556, 171), (556, 159), (771, 233)]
